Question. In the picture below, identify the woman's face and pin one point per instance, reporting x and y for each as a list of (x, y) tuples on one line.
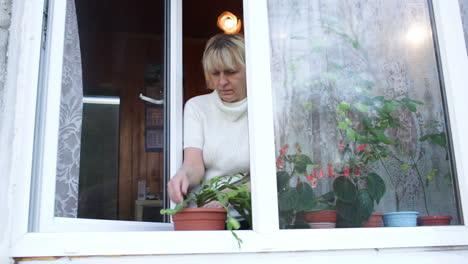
[(230, 84)]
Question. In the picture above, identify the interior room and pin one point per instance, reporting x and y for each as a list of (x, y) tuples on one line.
[(122, 144)]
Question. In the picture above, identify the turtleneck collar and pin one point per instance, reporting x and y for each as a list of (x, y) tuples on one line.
[(233, 111)]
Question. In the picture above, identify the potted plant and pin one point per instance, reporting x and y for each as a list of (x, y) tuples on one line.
[(227, 190), (299, 204)]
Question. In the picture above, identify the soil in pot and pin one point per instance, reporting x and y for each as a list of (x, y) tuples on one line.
[(200, 219), (434, 220), (375, 220), (320, 219)]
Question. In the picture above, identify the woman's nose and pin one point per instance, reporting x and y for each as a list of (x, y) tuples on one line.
[(222, 79)]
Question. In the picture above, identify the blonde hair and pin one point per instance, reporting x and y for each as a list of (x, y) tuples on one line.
[(223, 52)]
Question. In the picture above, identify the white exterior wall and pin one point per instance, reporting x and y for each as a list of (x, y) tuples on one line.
[(5, 132), (15, 99)]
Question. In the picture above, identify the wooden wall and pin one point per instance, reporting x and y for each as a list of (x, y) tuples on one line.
[(135, 163)]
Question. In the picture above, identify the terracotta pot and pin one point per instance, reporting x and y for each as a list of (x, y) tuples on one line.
[(320, 219), (434, 220), (375, 220), (200, 219)]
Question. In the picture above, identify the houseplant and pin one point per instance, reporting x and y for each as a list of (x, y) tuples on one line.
[(229, 189), (297, 178)]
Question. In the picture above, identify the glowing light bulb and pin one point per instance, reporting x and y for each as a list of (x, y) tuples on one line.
[(229, 23)]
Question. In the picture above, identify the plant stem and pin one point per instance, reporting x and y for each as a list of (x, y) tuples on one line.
[(422, 183)]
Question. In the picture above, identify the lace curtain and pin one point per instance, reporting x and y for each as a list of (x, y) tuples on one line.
[(71, 108)]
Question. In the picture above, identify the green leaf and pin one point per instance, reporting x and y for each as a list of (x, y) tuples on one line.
[(282, 179), (355, 44), (351, 134), (301, 162), (344, 106), (341, 113), (405, 167), (411, 107), (344, 189), (342, 125), (430, 176), (376, 186), (365, 206), (348, 122), (308, 106), (306, 197), (287, 200), (361, 107), (345, 210)]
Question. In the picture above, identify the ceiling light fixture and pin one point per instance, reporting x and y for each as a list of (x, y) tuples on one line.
[(229, 23)]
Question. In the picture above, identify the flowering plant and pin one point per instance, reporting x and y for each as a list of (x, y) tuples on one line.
[(356, 191), (297, 179)]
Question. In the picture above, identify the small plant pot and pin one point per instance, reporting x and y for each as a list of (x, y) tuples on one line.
[(200, 219), (400, 219), (320, 219), (434, 220), (375, 220)]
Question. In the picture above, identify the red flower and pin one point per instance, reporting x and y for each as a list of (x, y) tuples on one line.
[(341, 145), (346, 172), (330, 171), (279, 163), (357, 172), (283, 150), (312, 180), (361, 147), (321, 173)]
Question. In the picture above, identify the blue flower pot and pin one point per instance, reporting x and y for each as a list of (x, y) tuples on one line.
[(400, 219)]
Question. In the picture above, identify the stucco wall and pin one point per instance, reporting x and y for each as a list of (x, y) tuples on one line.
[(5, 19)]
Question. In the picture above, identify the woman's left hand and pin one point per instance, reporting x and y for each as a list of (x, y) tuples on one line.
[(213, 204)]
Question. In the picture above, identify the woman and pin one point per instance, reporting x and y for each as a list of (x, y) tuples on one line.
[(216, 140)]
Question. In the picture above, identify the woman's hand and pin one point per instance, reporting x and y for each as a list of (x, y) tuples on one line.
[(213, 204), (190, 175), (177, 187)]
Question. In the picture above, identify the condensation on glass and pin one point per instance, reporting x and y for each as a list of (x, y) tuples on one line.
[(358, 105), (111, 142)]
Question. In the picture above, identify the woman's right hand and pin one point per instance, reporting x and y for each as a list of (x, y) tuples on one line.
[(190, 175), (178, 186)]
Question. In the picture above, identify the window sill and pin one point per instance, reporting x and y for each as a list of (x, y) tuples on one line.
[(200, 242)]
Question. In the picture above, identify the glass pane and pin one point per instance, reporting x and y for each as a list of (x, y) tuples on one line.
[(111, 142), (360, 120)]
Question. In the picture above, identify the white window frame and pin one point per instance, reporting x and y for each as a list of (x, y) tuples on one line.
[(265, 236)]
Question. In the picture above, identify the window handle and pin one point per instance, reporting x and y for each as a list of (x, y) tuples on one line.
[(151, 100)]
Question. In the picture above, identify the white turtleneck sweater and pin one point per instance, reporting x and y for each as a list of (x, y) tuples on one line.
[(220, 130)]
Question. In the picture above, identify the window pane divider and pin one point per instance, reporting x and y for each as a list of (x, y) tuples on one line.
[(261, 132)]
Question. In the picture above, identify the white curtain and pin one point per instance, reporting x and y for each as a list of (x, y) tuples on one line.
[(71, 108)]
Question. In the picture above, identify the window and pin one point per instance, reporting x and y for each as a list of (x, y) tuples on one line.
[(359, 111), (266, 236)]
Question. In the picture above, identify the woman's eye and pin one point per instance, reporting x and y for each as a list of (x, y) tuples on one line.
[(230, 72), (215, 73)]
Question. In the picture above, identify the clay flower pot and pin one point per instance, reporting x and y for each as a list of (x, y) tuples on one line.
[(375, 220), (200, 219), (434, 220), (320, 219)]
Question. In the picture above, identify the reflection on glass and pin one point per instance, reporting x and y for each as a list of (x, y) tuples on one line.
[(112, 50), (360, 122)]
